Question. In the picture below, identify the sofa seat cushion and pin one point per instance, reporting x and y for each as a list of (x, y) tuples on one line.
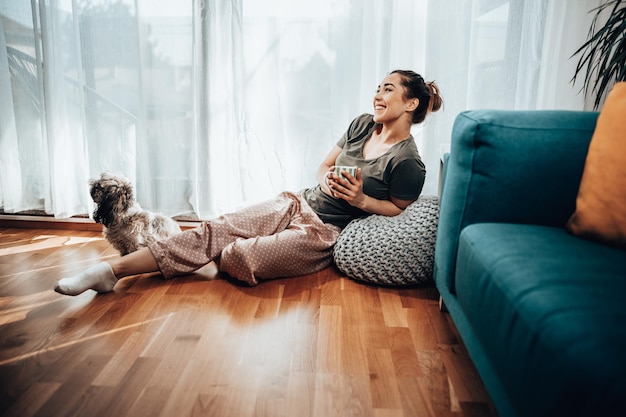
[(550, 312)]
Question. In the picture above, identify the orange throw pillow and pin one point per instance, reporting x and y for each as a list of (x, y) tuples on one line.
[(601, 203)]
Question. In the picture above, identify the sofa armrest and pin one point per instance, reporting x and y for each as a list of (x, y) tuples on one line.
[(513, 167)]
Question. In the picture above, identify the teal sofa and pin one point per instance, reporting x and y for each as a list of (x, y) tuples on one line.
[(541, 312)]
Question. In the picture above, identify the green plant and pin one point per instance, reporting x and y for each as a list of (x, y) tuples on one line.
[(603, 55)]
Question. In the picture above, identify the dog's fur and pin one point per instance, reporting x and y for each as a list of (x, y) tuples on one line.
[(127, 227)]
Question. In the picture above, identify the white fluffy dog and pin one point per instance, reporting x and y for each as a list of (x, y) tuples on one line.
[(127, 227)]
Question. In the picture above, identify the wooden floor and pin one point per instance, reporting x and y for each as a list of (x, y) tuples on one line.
[(200, 345)]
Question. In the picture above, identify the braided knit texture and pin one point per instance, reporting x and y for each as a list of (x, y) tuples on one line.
[(397, 251)]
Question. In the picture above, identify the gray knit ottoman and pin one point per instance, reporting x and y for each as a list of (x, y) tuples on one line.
[(397, 250)]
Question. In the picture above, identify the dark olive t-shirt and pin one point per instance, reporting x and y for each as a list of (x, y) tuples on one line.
[(398, 173)]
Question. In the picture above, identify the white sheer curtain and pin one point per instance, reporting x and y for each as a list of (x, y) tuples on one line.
[(501, 54), (310, 68), (207, 105)]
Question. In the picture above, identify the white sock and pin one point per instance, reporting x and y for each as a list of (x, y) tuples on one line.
[(99, 277)]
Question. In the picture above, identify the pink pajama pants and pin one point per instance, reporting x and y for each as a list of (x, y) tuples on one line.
[(281, 237)]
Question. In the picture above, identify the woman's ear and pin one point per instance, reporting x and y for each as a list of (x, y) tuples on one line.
[(412, 104)]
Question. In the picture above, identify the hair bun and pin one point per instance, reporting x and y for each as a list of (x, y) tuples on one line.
[(427, 93), (436, 101)]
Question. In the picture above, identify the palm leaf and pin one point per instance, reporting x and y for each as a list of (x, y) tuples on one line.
[(602, 59)]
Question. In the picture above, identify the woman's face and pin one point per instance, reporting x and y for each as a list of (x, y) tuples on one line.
[(389, 101)]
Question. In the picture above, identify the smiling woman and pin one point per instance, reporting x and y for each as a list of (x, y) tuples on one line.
[(252, 243)]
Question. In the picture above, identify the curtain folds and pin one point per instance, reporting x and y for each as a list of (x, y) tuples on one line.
[(207, 105), (214, 166), (11, 190)]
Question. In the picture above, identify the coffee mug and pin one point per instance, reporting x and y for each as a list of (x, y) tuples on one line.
[(340, 169)]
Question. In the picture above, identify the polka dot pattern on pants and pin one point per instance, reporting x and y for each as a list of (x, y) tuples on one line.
[(281, 237)]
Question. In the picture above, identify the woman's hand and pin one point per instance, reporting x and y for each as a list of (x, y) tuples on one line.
[(346, 187), (350, 188)]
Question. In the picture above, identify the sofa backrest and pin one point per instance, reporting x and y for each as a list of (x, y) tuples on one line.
[(511, 167)]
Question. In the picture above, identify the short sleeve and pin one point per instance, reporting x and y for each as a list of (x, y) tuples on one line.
[(407, 179), (357, 126)]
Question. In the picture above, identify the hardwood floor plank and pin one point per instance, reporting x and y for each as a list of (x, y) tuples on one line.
[(128, 390), (434, 382), (32, 400), (423, 328), (304, 358), (383, 381), (149, 402), (93, 401), (300, 394), (394, 314), (342, 395), (329, 342), (386, 412), (354, 352), (118, 366), (271, 295), (404, 356), (462, 375), (65, 399), (413, 401), (184, 394)]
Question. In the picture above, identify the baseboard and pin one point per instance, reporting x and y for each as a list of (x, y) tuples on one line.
[(72, 223), (46, 222)]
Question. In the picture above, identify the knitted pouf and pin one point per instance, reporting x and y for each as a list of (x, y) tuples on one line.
[(398, 250)]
